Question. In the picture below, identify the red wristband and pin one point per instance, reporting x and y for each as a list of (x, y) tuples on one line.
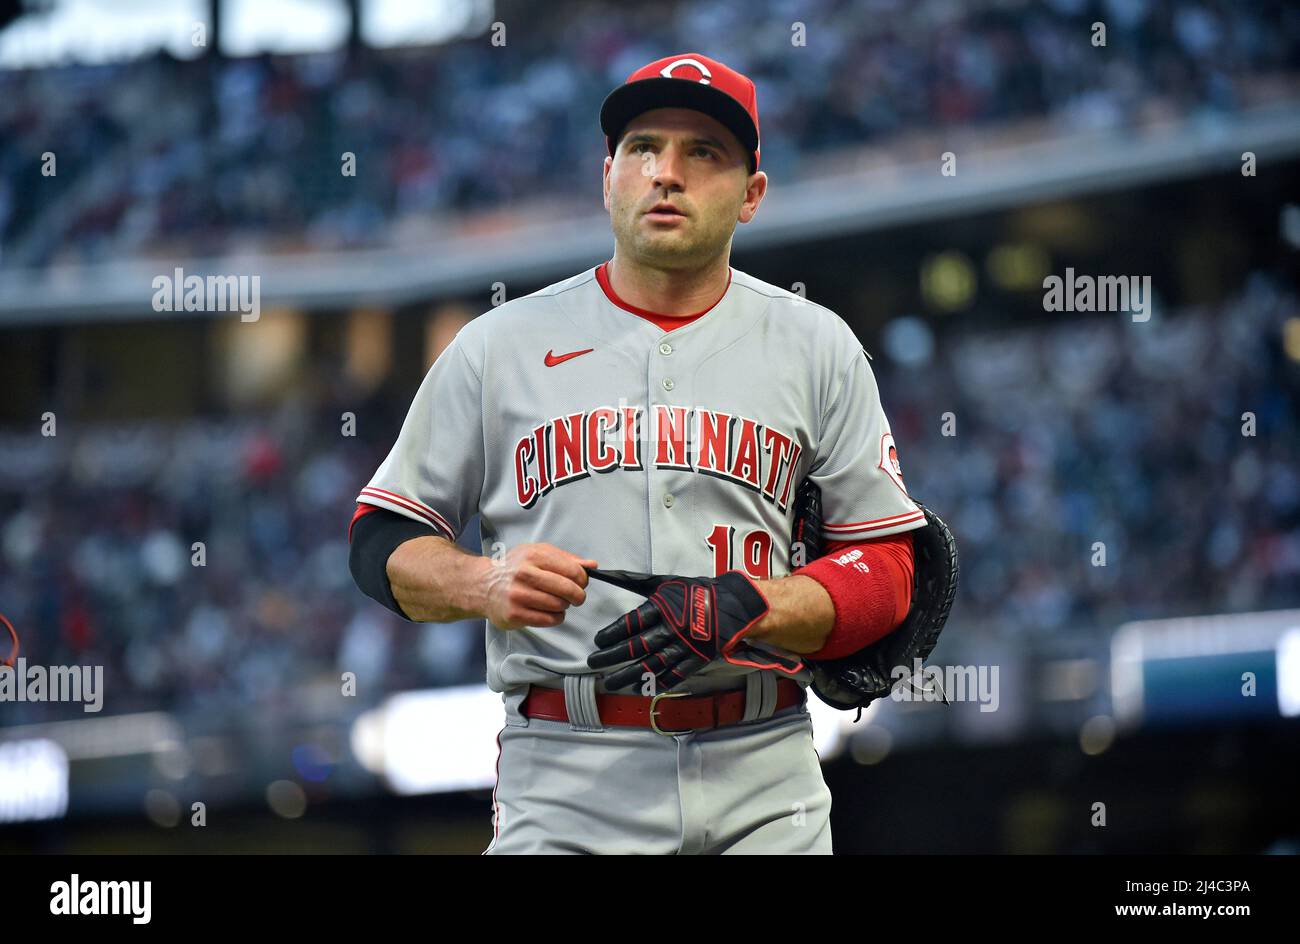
[(870, 585)]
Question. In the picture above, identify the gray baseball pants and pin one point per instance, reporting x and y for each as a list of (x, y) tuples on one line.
[(579, 787)]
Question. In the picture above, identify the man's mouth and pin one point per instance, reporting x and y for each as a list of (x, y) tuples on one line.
[(665, 211)]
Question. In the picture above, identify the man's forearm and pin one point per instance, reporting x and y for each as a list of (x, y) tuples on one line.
[(436, 581), (829, 610), (800, 615)]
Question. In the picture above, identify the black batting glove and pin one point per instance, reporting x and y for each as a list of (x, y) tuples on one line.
[(685, 624)]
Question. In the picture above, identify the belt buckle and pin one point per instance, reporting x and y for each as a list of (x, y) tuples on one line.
[(654, 703)]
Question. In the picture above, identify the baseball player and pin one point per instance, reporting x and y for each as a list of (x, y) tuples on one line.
[(635, 439)]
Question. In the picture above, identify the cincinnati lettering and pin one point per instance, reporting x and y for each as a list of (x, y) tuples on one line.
[(606, 439)]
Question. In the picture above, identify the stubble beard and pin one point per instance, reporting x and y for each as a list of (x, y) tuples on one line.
[(667, 249)]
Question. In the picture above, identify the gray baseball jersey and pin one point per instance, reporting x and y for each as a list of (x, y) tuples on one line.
[(563, 418)]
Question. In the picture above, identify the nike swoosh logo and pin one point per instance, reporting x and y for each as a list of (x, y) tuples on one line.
[(552, 359)]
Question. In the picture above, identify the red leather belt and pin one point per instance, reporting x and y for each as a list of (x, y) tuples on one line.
[(666, 713)]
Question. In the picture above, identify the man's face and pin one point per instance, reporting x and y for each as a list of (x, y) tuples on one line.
[(695, 165)]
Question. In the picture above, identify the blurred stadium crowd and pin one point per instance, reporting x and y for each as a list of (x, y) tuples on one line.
[(206, 156), (100, 562), (1129, 434)]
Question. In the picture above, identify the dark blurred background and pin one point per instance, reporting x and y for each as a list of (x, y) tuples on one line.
[(175, 486)]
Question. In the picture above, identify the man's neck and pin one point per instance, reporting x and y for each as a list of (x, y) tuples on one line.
[(668, 291)]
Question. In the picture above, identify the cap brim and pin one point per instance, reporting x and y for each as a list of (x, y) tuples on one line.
[(627, 101)]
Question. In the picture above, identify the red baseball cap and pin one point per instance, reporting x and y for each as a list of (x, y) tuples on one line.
[(686, 81)]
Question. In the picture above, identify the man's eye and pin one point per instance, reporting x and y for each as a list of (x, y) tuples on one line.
[(636, 148), (704, 151)]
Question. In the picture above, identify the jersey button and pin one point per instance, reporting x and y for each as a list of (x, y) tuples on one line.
[(668, 383), (668, 499), (665, 348)]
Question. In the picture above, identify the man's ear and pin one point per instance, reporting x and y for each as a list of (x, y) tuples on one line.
[(609, 162), (755, 189)]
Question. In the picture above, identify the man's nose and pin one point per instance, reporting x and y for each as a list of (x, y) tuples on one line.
[(667, 167)]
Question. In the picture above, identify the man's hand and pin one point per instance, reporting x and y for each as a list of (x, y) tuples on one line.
[(686, 623), (533, 585)]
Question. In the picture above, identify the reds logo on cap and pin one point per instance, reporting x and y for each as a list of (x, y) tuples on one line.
[(690, 81), (705, 74)]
